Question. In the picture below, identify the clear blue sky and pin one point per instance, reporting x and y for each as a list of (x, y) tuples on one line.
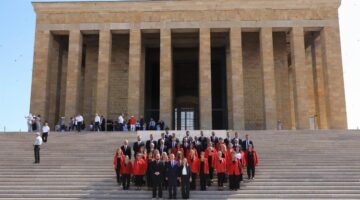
[(16, 57)]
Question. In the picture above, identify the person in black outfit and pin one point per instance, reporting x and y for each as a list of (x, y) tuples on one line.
[(204, 170), (126, 149), (157, 170), (117, 164), (137, 145), (172, 176), (246, 143), (185, 174), (151, 140), (148, 172)]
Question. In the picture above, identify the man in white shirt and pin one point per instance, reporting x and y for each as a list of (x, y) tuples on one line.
[(79, 122), (38, 142), (29, 120), (97, 121), (121, 122), (45, 132)]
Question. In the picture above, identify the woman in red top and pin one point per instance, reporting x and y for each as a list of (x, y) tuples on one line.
[(126, 171), (203, 166), (220, 166), (234, 171), (210, 155), (194, 167), (139, 170), (251, 161), (178, 148), (118, 158)]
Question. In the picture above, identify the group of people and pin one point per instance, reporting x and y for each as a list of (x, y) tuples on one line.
[(33, 122), (170, 162), (101, 124)]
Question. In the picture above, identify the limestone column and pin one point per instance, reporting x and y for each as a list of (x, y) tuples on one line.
[(166, 103), (102, 87), (301, 76), (73, 74), (205, 80), (330, 38), (321, 101), (134, 90), (235, 85), (267, 61), (39, 87)]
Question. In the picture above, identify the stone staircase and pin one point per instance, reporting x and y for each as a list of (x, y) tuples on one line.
[(293, 165)]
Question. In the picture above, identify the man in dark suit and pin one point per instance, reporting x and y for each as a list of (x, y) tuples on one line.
[(236, 138), (246, 143), (161, 138), (227, 139), (172, 176), (185, 174), (126, 149), (203, 141), (162, 147), (151, 140), (214, 139), (157, 170), (138, 144)]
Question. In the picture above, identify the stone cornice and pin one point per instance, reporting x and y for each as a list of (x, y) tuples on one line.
[(167, 5)]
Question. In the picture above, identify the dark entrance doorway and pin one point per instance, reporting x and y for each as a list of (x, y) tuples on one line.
[(185, 81)]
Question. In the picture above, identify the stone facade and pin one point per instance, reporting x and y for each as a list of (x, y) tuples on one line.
[(283, 61)]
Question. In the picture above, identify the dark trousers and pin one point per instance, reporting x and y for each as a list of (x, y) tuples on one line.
[(157, 188), (44, 136), (118, 176), (172, 191), (232, 182), (203, 178), (37, 153), (193, 181), (125, 181), (185, 187), (79, 126), (238, 179), (138, 180), (251, 171), (221, 179), (97, 126), (148, 179), (121, 126)]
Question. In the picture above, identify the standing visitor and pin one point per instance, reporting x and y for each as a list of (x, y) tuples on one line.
[(185, 174), (157, 170), (118, 159), (121, 122), (172, 168), (251, 161), (132, 122), (97, 121), (38, 142), (29, 121), (139, 169), (45, 132), (126, 171)]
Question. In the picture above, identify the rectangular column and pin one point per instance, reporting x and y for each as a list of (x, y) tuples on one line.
[(102, 88), (235, 85), (321, 101), (166, 89), (73, 74), (267, 61), (134, 91), (205, 80), (301, 76), (334, 81), (39, 86)]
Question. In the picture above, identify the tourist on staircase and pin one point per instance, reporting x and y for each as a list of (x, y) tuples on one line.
[(38, 142), (45, 132)]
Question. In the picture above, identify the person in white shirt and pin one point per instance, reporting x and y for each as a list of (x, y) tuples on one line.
[(29, 120), (79, 122), (121, 122), (45, 132), (97, 121), (38, 142)]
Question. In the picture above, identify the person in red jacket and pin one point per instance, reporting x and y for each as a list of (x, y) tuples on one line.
[(118, 158), (203, 166), (210, 154), (126, 171), (234, 171), (194, 167), (139, 169), (251, 161), (220, 166), (132, 122)]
